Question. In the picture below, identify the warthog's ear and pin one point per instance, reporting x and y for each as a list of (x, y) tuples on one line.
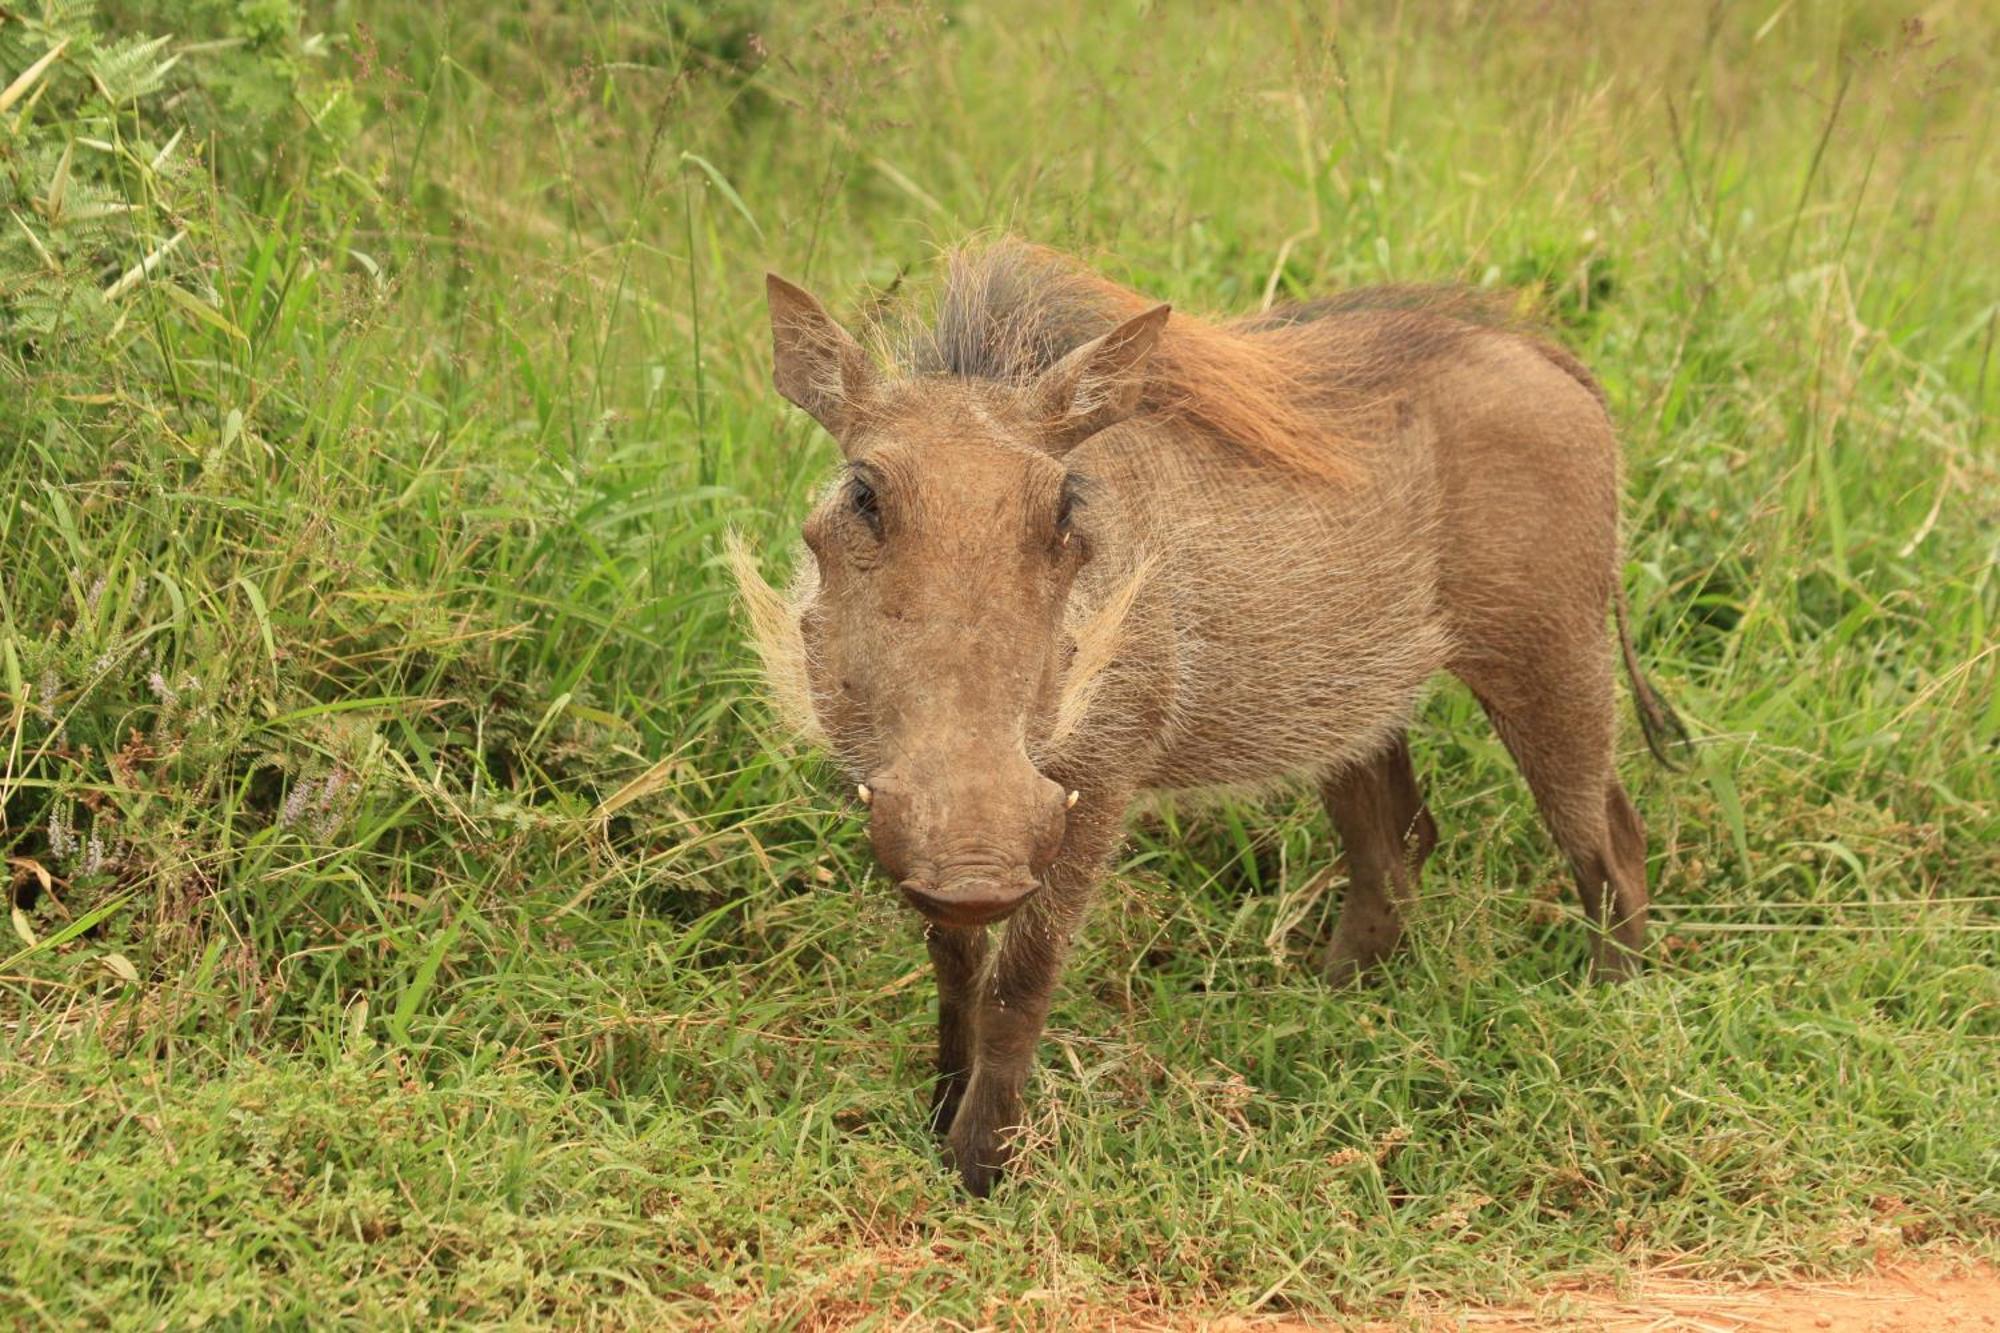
[(816, 363), (1099, 384)]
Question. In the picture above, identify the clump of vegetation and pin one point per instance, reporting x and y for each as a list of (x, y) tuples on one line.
[(134, 294), (416, 918)]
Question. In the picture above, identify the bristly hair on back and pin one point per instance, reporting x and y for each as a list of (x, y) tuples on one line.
[(1008, 310), (1411, 324)]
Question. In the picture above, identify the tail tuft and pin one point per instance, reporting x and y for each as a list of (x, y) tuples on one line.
[(1657, 719)]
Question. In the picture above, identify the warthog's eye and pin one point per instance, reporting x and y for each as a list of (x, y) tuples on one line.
[(1066, 512), (861, 498)]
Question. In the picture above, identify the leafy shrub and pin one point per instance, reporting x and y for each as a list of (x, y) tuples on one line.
[(121, 310)]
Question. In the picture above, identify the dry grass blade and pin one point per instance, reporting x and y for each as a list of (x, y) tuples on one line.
[(16, 90), (142, 270)]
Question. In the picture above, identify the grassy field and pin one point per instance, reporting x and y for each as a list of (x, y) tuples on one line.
[(420, 921)]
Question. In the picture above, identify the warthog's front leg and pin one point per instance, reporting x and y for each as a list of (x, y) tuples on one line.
[(1013, 1006), (1014, 995), (959, 955)]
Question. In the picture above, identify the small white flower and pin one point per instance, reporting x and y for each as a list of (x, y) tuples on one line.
[(330, 812), (295, 805), (62, 838)]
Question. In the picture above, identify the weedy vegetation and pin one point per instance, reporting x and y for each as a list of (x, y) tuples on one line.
[(418, 917)]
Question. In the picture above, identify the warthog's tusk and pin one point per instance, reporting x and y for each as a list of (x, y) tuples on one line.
[(861, 790), (1070, 803)]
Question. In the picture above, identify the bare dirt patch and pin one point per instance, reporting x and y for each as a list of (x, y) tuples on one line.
[(1954, 1299)]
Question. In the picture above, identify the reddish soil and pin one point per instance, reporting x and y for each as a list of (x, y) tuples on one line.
[(1912, 1298)]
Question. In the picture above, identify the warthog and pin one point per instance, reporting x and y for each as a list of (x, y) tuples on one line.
[(1082, 550)]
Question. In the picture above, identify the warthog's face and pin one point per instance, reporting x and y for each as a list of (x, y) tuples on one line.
[(946, 553), (944, 564)]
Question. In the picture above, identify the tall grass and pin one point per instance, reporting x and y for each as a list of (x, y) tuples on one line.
[(420, 921)]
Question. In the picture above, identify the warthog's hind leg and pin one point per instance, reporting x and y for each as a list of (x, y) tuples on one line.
[(1556, 711)]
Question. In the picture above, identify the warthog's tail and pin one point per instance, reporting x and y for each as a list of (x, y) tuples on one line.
[(1657, 718)]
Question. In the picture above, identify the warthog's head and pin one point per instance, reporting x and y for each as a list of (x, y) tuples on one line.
[(934, 645)]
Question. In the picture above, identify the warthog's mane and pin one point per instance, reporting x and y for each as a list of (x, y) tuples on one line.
[(1006, 311), (1293, 385)]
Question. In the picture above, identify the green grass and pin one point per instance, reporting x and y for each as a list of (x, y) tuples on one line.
[(573, 998)]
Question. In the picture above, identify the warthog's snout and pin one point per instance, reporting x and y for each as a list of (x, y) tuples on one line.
[(969, 902), (966, 846)]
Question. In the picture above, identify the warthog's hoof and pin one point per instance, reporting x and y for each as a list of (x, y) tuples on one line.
[(977, 1152), (979, 1179), (1351, 962)]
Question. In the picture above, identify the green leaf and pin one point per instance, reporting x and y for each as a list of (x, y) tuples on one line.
[(420, 984), (708, 169), (1723, 784), (66, 934), (203, 311)]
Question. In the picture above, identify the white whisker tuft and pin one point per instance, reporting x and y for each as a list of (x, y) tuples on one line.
[(777, 637), (1098, 636)]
